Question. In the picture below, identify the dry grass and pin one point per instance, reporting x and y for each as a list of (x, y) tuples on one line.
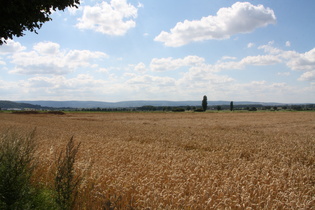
[(184, 160)]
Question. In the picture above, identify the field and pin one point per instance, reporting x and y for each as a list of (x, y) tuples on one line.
[(263, 160)]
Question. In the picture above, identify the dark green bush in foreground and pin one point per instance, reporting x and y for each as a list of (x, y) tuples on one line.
[(17, 163)]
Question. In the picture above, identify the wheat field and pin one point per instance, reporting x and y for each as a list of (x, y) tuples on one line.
[(261, 160)]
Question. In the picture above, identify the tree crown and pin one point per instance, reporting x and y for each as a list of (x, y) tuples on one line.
[(18, 16)]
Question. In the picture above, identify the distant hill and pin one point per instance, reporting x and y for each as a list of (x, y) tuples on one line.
[(122, 104), (17, 105)]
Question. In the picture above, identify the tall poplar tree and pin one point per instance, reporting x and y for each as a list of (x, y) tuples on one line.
[(204, 103)]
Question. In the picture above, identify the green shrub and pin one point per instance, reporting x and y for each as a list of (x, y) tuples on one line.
[(16, 167), (17, 162), (66, 183), (178, 109)]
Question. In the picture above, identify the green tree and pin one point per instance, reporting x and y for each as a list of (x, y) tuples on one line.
[(231, 106), (204, 103), (219, 108), (18, 16)]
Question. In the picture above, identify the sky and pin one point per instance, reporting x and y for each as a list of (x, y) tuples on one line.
[(121, 50)]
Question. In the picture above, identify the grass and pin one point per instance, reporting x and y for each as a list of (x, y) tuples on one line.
[(260, 160)]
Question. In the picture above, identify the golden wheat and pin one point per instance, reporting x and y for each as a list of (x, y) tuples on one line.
[(183, 160)]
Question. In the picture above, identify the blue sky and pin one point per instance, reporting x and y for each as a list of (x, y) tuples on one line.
[(167, 50)]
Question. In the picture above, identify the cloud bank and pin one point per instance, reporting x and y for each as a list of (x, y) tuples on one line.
[(241, 17), (48, 58)]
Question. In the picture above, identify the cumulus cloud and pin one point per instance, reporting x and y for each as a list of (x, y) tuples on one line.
[(294, 60), (74, 10), (241, 17), (140, 5), (140, 67), (164, 64), (114, 18), (260, 60), (196, 63), (288, 44), (303, 61), (47, 58), (250, 45), (47, 48), (11, 47), (308, 76)]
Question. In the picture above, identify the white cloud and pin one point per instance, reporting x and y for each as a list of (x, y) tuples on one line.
[(2, 62), (148, 80), (165, 64), (140, 67), (114, 18), (80, 87), (74, 10), (11, 47), (308, 76), (47, 58), (228, 58), (269, 48), (103, 70), (260, 60), (47, 48), (250, 45), (288, 44), (197, 63), (241, 17), (303, 61), (294, 60), (140, 5)]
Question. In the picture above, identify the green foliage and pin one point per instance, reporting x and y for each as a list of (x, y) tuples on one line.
[(204, 103), (16, 167), (19, 15), (66, 183), (17, 163), (252, 109), (178, 109), (231, 106)]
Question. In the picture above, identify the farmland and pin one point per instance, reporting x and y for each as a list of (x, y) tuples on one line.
[(182, 160)]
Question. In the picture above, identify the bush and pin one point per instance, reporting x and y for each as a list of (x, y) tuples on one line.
[(66, 184), (16, 167), (17, 163), (252, 109), (178, 109)]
